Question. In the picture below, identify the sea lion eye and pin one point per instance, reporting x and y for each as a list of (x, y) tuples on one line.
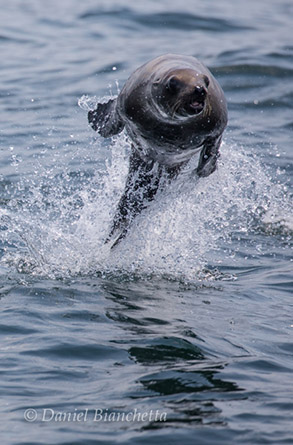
[(173, 85), (206, 80)]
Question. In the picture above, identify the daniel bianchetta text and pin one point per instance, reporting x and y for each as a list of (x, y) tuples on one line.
[(93, 415)]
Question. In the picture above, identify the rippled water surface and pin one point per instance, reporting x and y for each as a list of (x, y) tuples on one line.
[(183, 333)]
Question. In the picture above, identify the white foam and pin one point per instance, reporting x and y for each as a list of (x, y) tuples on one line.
[(180, 231)]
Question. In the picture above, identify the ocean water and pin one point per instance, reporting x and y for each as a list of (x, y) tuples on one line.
[(183, 333)]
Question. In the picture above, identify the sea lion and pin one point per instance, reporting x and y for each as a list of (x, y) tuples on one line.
[(171, 107)]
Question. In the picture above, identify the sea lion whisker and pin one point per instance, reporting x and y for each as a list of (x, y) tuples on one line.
[(174, 109)]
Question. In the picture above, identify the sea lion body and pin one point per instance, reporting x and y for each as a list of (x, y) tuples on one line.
[(171, 107)]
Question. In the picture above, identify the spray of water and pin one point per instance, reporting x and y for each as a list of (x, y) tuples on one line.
[(58, 226)]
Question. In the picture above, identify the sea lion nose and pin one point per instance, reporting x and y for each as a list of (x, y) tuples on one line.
[(200, 92)]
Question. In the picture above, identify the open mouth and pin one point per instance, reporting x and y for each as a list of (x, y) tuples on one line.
[(191, 108), (189, 104), (196, 107), (197, 100)]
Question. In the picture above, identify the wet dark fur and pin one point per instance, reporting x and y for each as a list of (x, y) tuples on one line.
[(170, 107)]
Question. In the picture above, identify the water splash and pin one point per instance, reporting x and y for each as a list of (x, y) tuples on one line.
[(58, 226)]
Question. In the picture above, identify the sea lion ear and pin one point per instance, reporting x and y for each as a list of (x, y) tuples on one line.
[(173, 85), (206, 80)]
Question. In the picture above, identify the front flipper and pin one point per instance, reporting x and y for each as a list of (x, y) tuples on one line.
[(208, 157), (141, 186), (105, 119)]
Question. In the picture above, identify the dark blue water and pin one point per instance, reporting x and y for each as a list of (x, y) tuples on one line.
[(183, 334)]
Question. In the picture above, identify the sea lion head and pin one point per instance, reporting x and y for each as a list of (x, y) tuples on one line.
[(181, 93)]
